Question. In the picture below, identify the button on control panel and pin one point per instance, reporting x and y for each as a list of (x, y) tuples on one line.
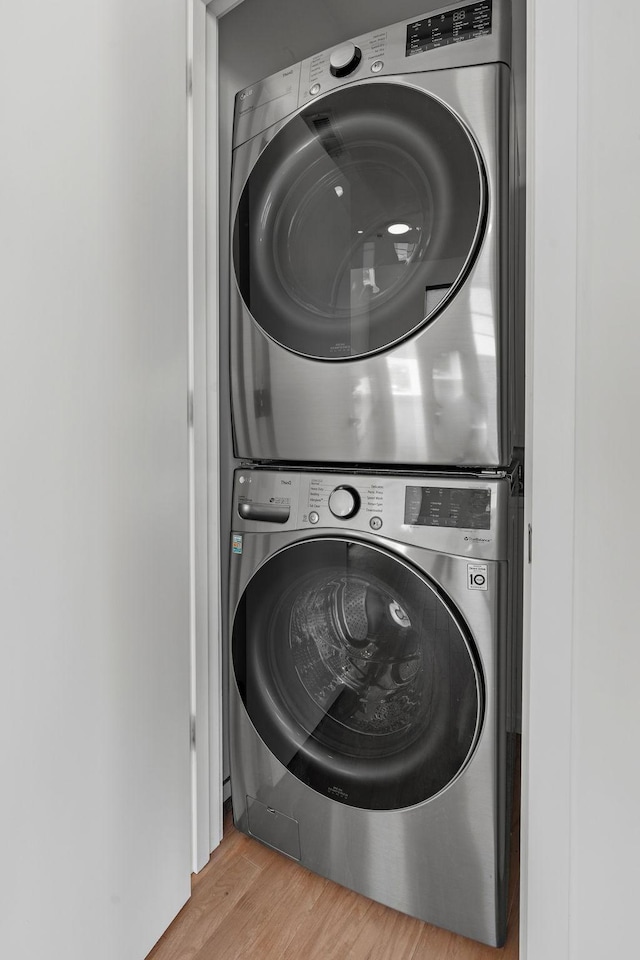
[(344, 59), (364, 56), (344, 502), (345, 498)]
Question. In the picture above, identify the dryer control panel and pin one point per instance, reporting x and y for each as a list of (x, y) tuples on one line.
[(462, 515), (455, 35), (437, 40)]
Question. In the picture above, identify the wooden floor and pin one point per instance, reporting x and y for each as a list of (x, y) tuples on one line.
[(250, 902)]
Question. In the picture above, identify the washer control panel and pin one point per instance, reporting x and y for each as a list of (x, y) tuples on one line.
[(344, 500), (461, 515)]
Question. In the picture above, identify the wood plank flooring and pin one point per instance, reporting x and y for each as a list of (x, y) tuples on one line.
[(251, 903)]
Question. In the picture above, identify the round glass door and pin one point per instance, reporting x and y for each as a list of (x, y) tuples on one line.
[(359, 221), (357, 675)]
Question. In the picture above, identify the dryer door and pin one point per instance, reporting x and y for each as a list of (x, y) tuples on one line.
[(357, 674), (359, 221)]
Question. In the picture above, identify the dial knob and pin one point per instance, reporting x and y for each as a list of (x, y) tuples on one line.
[(344, 59), (344, 502)]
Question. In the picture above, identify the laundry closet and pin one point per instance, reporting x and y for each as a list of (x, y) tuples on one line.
[(105, 728)]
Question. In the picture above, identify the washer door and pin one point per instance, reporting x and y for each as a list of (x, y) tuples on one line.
[(359, 221), (357, 675)]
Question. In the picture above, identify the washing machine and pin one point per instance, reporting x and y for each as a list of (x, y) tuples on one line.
[(372, 627), (373, 248)]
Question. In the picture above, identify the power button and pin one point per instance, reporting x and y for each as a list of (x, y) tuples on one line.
[(313, 517)]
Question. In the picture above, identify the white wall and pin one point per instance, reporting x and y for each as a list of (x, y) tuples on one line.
[(550, 477), (581, 845), (94, 682), (605, 793)]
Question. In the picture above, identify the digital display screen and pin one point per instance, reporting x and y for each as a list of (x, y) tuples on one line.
[(453, 26), (448, 507)]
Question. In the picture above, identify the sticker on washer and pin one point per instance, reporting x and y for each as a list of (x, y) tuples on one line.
[(477, 576), (236, 543)]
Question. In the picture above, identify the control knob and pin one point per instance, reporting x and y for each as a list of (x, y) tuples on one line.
[(344, 59), (344, 502)]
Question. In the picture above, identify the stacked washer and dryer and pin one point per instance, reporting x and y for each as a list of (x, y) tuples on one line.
[(375, 551)]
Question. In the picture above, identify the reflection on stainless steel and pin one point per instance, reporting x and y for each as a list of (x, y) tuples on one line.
[(362, 388), (404, 377), (409, 407), (448, 385), (482, 311), (362, 406)]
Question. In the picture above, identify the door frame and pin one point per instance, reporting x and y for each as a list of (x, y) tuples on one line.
[(203, 411), (205, 607), (550, 478)]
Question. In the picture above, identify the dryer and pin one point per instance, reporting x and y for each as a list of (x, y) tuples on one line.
[(372, 233), (372, 630)]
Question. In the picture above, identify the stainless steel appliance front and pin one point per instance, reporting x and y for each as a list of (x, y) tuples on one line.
[(368, 683), (371, 316)]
